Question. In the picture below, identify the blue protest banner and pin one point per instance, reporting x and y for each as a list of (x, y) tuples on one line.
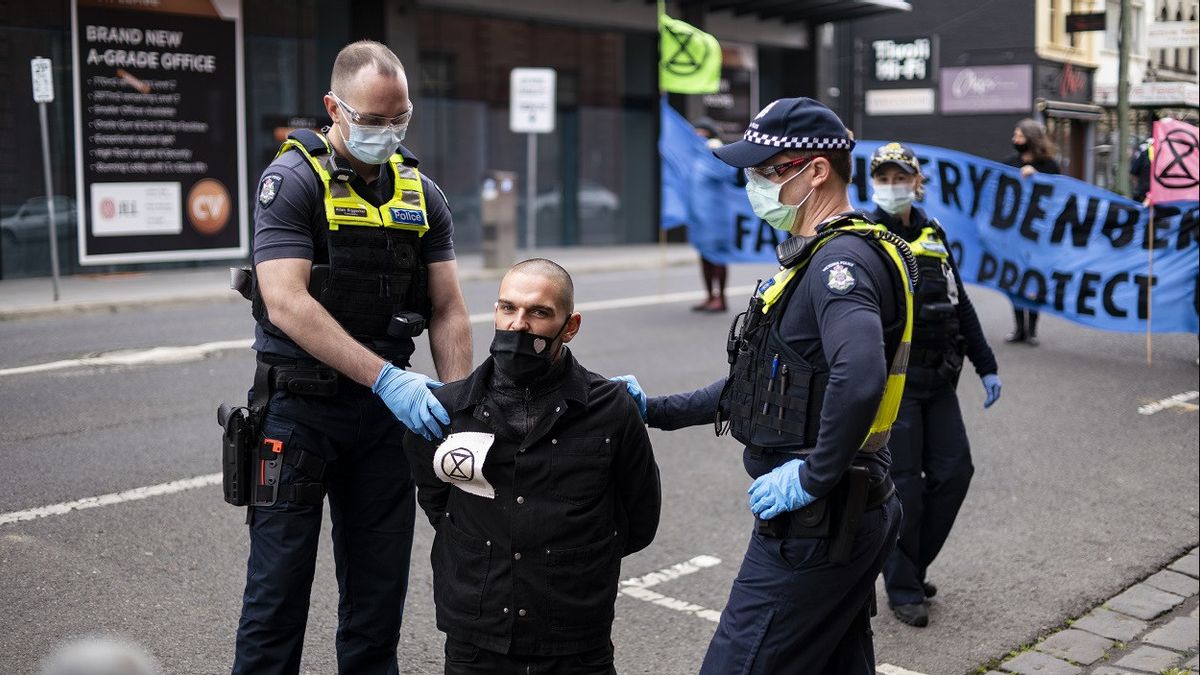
[(1052, 243)]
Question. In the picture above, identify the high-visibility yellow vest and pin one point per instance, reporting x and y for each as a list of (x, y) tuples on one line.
[(780, 412)]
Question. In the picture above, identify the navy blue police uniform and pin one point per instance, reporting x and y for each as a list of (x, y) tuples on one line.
[(931, 456), (335, 437), (804, 595)]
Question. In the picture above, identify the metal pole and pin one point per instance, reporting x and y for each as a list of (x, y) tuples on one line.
[(1122, 149), (49, 200), (531, 193)]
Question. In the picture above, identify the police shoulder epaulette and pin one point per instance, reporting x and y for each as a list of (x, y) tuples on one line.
[(937, 228), (312, 141)]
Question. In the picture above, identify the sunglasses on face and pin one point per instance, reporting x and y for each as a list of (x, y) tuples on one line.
[(771, 172), (367, 120)]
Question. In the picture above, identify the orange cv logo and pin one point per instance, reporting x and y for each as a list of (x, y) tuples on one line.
[(208, 206)]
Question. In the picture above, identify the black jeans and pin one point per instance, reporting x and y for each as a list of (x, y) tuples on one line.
[(464, 658)]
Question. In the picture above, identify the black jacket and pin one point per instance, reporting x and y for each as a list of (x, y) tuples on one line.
[(534, 571)]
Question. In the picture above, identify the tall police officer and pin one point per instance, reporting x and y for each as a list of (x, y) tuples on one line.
[(931, 458), (352, 252), (818, 369)]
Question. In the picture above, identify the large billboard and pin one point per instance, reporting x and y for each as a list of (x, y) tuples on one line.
[(159, 128)]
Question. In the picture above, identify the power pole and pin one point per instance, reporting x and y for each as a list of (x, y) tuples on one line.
[(1122, 149)]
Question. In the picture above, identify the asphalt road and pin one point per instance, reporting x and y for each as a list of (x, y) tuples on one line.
[(1076, 494)]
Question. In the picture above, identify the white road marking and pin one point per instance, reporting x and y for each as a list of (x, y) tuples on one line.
[(1183, 400), (134, 357), (113, 498), (889, 669), (169, 355), (639, 587)]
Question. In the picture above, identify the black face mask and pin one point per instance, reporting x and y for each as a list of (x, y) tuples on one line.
[(523, 356), (1021, 147)]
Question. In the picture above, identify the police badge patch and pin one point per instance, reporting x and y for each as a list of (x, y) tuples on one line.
[(838, 277), (269, 188)]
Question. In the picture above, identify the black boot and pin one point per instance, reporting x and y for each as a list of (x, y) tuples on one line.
[(1018, 334), (1031, 334), (916, 614)]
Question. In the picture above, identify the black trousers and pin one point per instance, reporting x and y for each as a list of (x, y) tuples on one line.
[(464, 658), (932, 469), (792, 611)]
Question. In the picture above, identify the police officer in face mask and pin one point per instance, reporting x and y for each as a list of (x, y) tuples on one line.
[(545, 480), (818, 362), (353, 256), (931, 458)]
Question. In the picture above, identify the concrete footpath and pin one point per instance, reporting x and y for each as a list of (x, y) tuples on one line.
[(111, 292), (1150, 627)]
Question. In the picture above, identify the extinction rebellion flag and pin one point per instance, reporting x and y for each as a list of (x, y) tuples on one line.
[(689, 59)]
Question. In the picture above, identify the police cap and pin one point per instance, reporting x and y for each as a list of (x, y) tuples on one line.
[(787, 123), (895, 153)]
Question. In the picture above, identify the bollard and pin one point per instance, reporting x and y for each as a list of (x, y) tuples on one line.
[(498, 206)]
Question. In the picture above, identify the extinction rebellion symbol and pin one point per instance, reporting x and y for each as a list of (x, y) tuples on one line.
[(688, 56), (1178, 147), (459, 464)]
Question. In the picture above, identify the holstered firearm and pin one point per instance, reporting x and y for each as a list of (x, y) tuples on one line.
[(841, 547)]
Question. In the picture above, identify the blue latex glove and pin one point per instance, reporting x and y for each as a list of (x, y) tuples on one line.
[(778, 491), (407, 396), (991, 387), (635, 390)]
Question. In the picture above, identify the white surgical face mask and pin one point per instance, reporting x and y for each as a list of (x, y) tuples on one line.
[(764, 199), (893, 199), (373, 145)]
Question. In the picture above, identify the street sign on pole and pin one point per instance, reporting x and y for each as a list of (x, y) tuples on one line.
[(43, 93), (531, 99), (531, 111), (43, 79)]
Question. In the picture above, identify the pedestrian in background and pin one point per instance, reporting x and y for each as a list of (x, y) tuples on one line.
[(545, 481), (931, 456), (715, 274), (1035, 153), (354, 254)]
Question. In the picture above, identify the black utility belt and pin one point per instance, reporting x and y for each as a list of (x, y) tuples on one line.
[(835, 515), (306, 380)]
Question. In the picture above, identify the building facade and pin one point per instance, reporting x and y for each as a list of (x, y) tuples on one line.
[(167, 111), (962, 75)]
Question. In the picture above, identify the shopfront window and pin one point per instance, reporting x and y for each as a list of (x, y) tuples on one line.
[(596, 170), (28, 30)]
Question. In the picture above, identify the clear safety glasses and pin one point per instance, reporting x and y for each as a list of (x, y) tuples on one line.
[(367, 120)]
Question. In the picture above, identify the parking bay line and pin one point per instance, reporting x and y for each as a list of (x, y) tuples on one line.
[(639, 588), (112, 498), (169, 355)]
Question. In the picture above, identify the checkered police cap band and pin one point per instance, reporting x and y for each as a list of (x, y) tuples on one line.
[(798, 142)]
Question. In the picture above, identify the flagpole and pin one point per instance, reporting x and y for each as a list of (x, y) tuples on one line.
[(1150, 289), (662, 232)]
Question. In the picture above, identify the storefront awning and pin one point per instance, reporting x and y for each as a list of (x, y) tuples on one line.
[(1073, 111), (811, 11)]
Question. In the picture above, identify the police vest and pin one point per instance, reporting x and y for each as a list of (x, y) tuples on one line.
[(774, 395), (935, 318), (368, 266)]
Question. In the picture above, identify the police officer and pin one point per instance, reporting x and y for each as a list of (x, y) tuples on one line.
[(352, 254), (931, 458), (818, 369)]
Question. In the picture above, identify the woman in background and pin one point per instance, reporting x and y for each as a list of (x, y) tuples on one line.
[(1035, 154)]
